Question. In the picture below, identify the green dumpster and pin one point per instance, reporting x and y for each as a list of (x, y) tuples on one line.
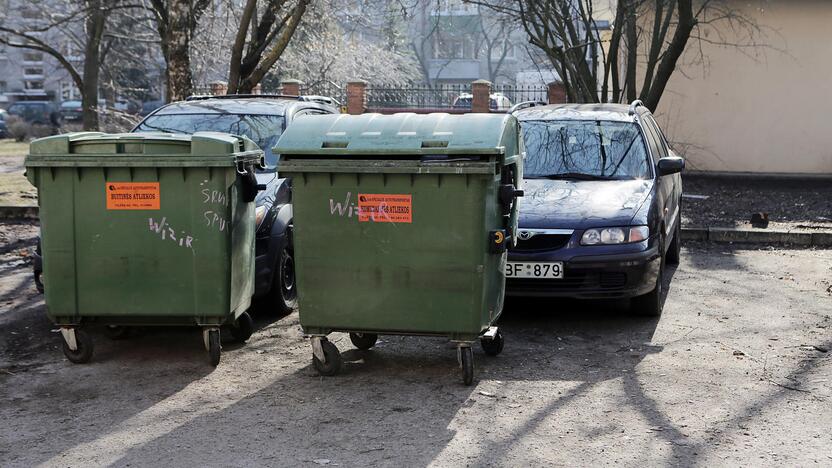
[(401, 224), (146, 229)]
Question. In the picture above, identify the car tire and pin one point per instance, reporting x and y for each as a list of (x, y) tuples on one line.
[(283, 298), (651, 304)]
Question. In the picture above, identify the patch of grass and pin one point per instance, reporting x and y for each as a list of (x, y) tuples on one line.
[(10, 147), (15, 190)]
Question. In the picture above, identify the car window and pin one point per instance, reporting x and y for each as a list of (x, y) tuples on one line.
[(657, 144), (262, 129), (591, 147)]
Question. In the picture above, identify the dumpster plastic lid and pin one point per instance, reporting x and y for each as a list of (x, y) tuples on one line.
[(163, 149), (404, 133)]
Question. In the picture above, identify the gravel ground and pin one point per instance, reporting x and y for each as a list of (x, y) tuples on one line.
[(734, 373), (798, 205)]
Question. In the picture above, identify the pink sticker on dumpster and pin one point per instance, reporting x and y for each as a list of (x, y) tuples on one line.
[(385, 208)]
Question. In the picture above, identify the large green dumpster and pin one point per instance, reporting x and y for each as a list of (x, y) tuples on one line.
[(146, 229), (401, 223)]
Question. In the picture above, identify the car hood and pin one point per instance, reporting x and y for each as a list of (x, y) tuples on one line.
[(572, 204)]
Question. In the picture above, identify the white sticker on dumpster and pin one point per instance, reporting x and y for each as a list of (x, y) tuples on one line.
[(385, 208)]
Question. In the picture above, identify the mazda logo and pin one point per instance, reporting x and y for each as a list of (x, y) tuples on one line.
[(526, 235)]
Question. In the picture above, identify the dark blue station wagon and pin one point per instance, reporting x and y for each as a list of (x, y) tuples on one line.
[(602, 207)]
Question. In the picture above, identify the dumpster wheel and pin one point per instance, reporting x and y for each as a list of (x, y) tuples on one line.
[(332, 358), (466, 360), (242, 328), (493, 346), (82, 344), (212, 342), (363, 341)]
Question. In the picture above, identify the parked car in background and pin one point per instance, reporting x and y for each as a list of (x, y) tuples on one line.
[(602, 207), (71, 111), (496, 102), (4, 129), (36, 112), (261, 118)]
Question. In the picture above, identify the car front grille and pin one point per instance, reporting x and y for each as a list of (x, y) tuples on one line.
[(542, 240)]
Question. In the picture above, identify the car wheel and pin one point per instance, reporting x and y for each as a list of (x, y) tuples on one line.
[(284, 293), (650, 304)]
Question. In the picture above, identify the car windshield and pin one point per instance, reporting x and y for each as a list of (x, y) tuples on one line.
[(262, 129), (584, 149)]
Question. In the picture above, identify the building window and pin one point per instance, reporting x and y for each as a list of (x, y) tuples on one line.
[(33, 71), (69, 92), (33, 56), (2, 87), (34, 85), (454, 47)]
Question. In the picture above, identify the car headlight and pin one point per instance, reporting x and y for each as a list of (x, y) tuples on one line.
[(615, 235), (259, 216)]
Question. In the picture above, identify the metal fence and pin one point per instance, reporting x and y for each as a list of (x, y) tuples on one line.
[(394, 98), (522, 93), (415, 96)]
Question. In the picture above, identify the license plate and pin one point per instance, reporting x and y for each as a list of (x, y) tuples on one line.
[(552, 270)]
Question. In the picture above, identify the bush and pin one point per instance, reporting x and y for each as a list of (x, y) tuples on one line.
[(40, 131), (19, 129)]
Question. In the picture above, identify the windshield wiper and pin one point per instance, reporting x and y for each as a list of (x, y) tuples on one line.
[(571, 175)]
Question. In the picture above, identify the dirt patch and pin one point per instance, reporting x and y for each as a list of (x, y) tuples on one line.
[(790, 204), (732, 374)]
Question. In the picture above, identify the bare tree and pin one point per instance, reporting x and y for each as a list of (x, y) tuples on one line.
[(49, 30), (270, 33), (648, 38), (325, 51), (176, 21)]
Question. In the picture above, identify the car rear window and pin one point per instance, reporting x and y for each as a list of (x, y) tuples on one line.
[(607, 149), (262, 129)]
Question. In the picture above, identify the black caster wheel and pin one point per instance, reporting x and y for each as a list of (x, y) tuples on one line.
[(333, 359), (363, 341), (116, 332), (242, 328), (467, 357), (214, 347), (83, 353), (493, 346)]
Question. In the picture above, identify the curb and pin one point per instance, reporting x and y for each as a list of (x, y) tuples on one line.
[(751, 236), (18, 212)]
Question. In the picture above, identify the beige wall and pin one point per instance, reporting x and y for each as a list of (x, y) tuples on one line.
[(772, 114)]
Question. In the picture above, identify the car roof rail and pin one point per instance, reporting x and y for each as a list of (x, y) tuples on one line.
[(634, 105), (202, 97), (525, 105)]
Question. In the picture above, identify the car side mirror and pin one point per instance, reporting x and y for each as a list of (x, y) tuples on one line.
[(670, 165)]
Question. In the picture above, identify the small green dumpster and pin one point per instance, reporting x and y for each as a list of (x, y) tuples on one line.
[(146, 229), (401, 224)]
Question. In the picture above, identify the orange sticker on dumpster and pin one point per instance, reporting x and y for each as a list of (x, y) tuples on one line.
[(385, 208), (132, 195)]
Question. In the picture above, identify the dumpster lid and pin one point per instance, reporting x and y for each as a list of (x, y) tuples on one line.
[(404, 133), (163, 149)]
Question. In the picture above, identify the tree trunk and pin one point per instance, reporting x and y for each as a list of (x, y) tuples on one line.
[(95, 23), (176, 37)]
